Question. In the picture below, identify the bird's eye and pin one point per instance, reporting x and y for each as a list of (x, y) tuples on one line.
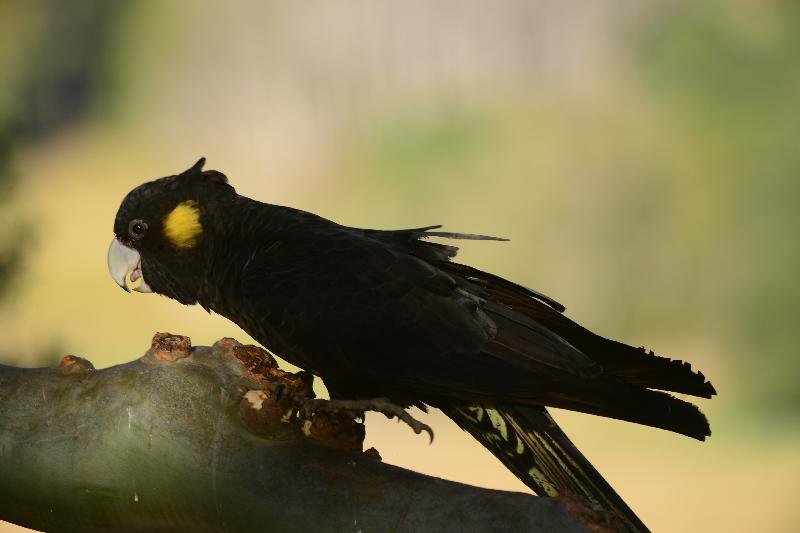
[(137, 228)]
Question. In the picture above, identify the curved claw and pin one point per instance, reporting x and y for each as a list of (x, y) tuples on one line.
[(415, 424)]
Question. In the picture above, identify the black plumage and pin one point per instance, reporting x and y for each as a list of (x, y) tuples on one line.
[(380, 313)]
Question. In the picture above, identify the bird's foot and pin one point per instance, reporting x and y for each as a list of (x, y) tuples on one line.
[(356, 409)]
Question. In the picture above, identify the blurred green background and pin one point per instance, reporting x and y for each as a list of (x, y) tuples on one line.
[(642, 157)]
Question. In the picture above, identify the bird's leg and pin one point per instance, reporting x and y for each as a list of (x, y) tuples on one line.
[(356, 409)]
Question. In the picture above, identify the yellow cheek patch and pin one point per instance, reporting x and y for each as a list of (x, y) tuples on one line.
[(182, 225)]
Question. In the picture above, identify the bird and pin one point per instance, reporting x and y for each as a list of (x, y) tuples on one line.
[(388, 318)]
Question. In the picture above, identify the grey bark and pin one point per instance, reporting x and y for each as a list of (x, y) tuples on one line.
[(207, 439)]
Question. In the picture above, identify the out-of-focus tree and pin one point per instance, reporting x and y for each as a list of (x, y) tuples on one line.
[(10, 248)]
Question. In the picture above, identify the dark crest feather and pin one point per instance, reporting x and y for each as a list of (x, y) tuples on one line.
[(211, 175), (197, 167)]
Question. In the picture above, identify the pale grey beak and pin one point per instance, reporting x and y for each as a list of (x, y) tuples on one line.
[(125, 266)]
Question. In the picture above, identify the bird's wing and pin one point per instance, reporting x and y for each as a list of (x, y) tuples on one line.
[(637, 366), (346, 302)]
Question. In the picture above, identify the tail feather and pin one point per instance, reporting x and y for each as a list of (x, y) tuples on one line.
[(530, 444), (614, 399), (637, 366)]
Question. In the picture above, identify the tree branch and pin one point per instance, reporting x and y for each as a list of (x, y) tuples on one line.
[(206, 439)]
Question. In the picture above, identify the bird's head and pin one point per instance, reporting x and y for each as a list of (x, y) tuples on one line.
[(163, 233)]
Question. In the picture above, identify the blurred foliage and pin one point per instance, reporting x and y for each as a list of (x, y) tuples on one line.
[(11, 241), (415, 142), (68, 70), (730, 77), (56, 64)]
